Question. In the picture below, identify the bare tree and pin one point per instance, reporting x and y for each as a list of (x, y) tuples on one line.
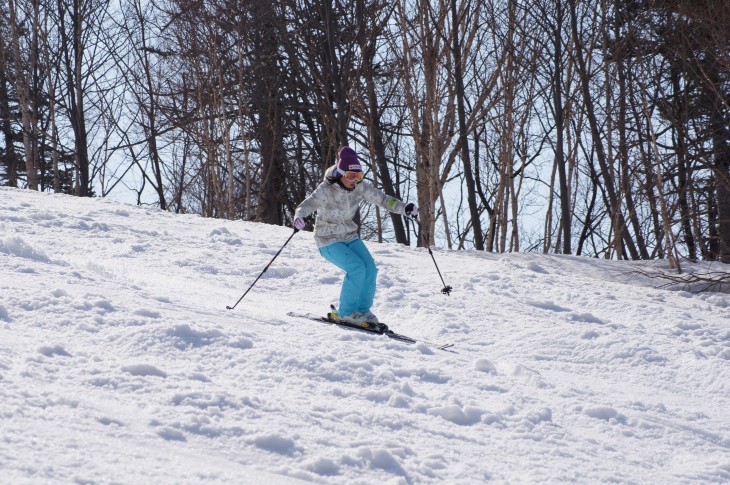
[(458, 79), (25, 61), (368, 101), (9, 157), (80, 24), (616, 213), (136, 55), (421, 54)]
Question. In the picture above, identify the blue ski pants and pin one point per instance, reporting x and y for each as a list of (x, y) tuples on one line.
[(358, 287)]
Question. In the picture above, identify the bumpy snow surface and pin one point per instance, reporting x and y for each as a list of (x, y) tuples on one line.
[(119, 362)]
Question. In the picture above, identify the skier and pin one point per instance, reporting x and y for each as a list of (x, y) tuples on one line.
[(336, 201)]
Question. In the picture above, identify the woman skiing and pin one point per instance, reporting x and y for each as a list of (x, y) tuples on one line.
[(336, 201)]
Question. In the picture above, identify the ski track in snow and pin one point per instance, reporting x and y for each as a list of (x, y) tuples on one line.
[(119, 362)]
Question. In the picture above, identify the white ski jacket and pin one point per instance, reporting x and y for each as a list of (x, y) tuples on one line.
[(336, 208)]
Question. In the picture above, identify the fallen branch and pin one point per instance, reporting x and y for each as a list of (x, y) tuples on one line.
[(693, 282)]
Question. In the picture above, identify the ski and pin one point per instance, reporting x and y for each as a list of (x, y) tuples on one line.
[(377, 328)]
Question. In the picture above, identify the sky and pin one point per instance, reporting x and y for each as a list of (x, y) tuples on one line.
[(119, 362)]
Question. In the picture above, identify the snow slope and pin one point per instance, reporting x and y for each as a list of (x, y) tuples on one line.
[(120, 364)]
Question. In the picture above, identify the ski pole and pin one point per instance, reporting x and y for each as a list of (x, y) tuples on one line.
[(264, 271), (446, 290)]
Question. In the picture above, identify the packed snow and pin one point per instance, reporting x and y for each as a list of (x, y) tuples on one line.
[(119, 362)]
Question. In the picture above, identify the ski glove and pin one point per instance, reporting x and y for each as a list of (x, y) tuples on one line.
[(412, 210), (299, 223)]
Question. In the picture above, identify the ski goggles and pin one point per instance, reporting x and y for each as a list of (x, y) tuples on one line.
[(354, 176)]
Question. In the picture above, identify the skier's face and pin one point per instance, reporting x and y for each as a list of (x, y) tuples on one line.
[(350, 184)]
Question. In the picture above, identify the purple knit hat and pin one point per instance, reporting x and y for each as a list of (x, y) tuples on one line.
[(347, 161)]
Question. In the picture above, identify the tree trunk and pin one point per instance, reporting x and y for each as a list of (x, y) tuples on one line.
[(623, 149), (614, 202), (372, 116), (421, 103), (683, 165), (721, 156), (73, 54), (151, 111), (334, 77), (23, 90), (269, 115), (11, 157), (565, 216), (463, 135)]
